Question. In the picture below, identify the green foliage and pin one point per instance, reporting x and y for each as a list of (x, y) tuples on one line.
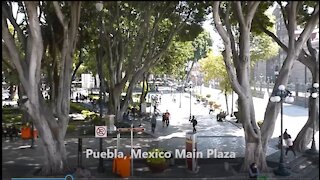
[(260, 123), (11, 118), (71, 127), (76, 107), (88, 114), (214, 69), (93, 96), (11, 110), (174, 60), (201, 45), (156, 159), (208, 96)]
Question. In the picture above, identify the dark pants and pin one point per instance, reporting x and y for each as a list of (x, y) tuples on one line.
[(194, 129), (153, 127), (290, 148)]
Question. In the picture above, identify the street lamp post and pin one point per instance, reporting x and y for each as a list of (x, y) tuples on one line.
[(180, 89), (180, 98), (261, 76), (279, 96), (99, 7), (190, 85), (313, 93), (32, 135)]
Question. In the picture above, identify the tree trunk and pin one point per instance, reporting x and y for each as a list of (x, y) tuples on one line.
[(144, 91), (305, 135), (52, 138), (226, 96), (253, 151)]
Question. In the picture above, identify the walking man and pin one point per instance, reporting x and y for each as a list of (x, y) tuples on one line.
[(194, 123), (153, 122), (166, 118), (289, 144)]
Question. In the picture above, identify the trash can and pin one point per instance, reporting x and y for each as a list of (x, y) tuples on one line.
[(122, 166)]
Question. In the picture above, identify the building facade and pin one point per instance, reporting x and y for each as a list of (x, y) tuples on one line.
[(268, 70)]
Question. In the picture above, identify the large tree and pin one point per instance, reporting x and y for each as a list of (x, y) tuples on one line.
[(237, 63), (308, 56), (28, 60), (294, 49), (136, 36), (256, 141)]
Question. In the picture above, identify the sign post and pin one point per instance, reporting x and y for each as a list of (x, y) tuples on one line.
[(131, 129)]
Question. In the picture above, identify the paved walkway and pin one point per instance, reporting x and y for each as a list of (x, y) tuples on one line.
[(225, 136)]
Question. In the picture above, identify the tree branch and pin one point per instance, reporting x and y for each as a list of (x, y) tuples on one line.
[(274, 37), (292, 24), (252, 10), (283, 12), (226, 53), (12, 20), (312, 50), (231, 36), (309, 27), (59, 14), (239, 13)]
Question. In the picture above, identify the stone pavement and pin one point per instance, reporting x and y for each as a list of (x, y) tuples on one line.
[(223, 136)]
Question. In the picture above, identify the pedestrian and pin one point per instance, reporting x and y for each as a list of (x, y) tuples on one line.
[(126, 116), (253, 171), (289, 144), (155, 108), (133, 111), (194, 123), (166, 117), (285, 134), (163, 119), (211, 109), (153, 122)]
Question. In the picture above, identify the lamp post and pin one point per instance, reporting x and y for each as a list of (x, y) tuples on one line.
[(99, 7), (313, 93), (32, 135), (180, 89), (279, 96), (261, 77), (190, 86)]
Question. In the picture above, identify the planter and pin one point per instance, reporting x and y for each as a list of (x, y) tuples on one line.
[(157, 168)]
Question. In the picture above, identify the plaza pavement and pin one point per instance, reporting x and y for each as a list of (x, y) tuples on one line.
[(227, 136)]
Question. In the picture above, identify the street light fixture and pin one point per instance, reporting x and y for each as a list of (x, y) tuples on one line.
[(279, 96), (180, 89), (99, 7), (313, 93), (190, 86)]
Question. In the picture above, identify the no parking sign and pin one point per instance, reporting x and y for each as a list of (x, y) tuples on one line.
[(100, 131)]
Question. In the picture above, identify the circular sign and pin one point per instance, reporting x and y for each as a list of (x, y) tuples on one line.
[(101, 131)]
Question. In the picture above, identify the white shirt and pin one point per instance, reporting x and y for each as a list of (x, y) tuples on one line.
[(289, 142)]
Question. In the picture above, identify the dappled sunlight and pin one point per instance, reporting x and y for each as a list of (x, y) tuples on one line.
[(9, 162), (29, 164), (173, 135)]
